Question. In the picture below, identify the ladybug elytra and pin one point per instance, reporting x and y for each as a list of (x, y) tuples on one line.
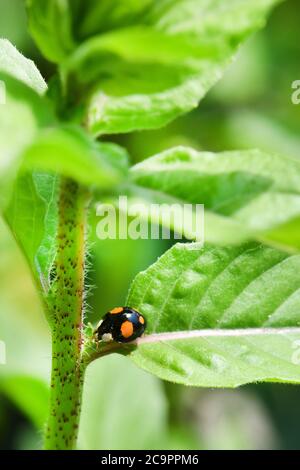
[(122, 324)]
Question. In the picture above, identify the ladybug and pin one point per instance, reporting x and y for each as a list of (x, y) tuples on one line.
[(122, 324)]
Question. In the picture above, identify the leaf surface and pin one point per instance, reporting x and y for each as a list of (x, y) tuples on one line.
[(50, 24), (220, 317), (246, 194), (32, 209), (160, 64), (15, 64)]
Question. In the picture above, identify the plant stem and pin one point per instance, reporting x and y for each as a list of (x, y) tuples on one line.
[(65, 307)]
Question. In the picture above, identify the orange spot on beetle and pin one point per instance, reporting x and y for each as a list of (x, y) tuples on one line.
[(116, 310), (142, 320), (127, 329)]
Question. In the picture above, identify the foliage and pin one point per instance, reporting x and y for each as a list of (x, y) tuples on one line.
[(219, 315)]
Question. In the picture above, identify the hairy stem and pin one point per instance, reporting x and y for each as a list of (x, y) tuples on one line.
[(65, 307)]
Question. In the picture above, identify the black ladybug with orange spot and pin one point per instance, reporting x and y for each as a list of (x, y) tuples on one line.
[(122, 324)]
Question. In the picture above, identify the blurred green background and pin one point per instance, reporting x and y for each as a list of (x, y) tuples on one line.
[(125, 408)]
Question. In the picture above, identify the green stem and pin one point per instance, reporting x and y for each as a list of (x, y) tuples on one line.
[(65, 306)]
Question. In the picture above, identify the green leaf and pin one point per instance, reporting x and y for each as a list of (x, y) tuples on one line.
[(22, 112), (220, 317), (50, 24), (32, 141), (32, 209), (150, 72), (246, 194), (15, 64), (69, 151), (111, 427), (21, 116), (96, 17), (32, 218), (32, 401)]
